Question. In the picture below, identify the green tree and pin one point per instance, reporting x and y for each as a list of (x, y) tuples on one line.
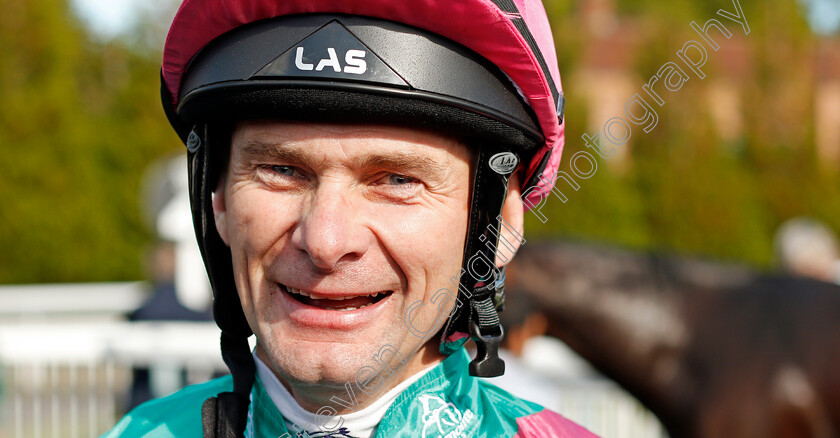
[(685, 188), (79, 123)]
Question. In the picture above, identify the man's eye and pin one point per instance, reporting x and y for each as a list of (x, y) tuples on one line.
[(283, 170), (280, 174), (399, 180)]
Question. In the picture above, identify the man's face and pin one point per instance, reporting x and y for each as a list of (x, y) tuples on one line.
[(335, 230)]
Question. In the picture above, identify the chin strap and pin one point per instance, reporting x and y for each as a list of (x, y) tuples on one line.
[(225, 415), (481, 285)]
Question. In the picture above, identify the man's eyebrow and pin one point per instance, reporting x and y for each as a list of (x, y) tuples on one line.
[(256, 148), (419, 165), (401, 161)]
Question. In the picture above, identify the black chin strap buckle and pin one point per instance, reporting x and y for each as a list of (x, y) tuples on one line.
[(487, 362)]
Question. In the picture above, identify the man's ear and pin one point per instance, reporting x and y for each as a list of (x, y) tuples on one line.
[(513, 212), (220, 208)]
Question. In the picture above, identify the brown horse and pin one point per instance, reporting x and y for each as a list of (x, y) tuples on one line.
[(714, 351)]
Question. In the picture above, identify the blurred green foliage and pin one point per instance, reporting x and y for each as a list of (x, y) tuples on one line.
[(80, 121), (683, 187)]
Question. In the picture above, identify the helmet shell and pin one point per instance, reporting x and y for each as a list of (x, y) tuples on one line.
[(512, 34)]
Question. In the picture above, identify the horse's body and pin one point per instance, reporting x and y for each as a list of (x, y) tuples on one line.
[(713, 351)]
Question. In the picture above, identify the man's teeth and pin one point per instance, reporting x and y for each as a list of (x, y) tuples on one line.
[(316, 296)]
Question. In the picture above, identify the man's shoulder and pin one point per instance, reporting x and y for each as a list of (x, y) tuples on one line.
[(531, 419), (506, 402), (550, 422), (178, 414)]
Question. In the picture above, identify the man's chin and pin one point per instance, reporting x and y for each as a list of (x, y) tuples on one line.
[(323, 363)]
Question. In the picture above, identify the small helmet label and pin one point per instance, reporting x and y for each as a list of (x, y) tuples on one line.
[(503, 163), (193, 141), (354, 59)]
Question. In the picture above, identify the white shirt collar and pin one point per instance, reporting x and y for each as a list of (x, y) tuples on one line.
[(360, 424)]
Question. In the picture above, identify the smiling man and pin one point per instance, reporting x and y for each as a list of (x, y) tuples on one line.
[(358, 174), (335, 230)]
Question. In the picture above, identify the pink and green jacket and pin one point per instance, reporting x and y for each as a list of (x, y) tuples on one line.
[(445, 403)]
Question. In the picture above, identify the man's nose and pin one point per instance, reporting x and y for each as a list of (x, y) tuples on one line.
[(330, 231)]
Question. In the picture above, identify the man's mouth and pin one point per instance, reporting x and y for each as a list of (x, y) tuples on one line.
[(336, 302)]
